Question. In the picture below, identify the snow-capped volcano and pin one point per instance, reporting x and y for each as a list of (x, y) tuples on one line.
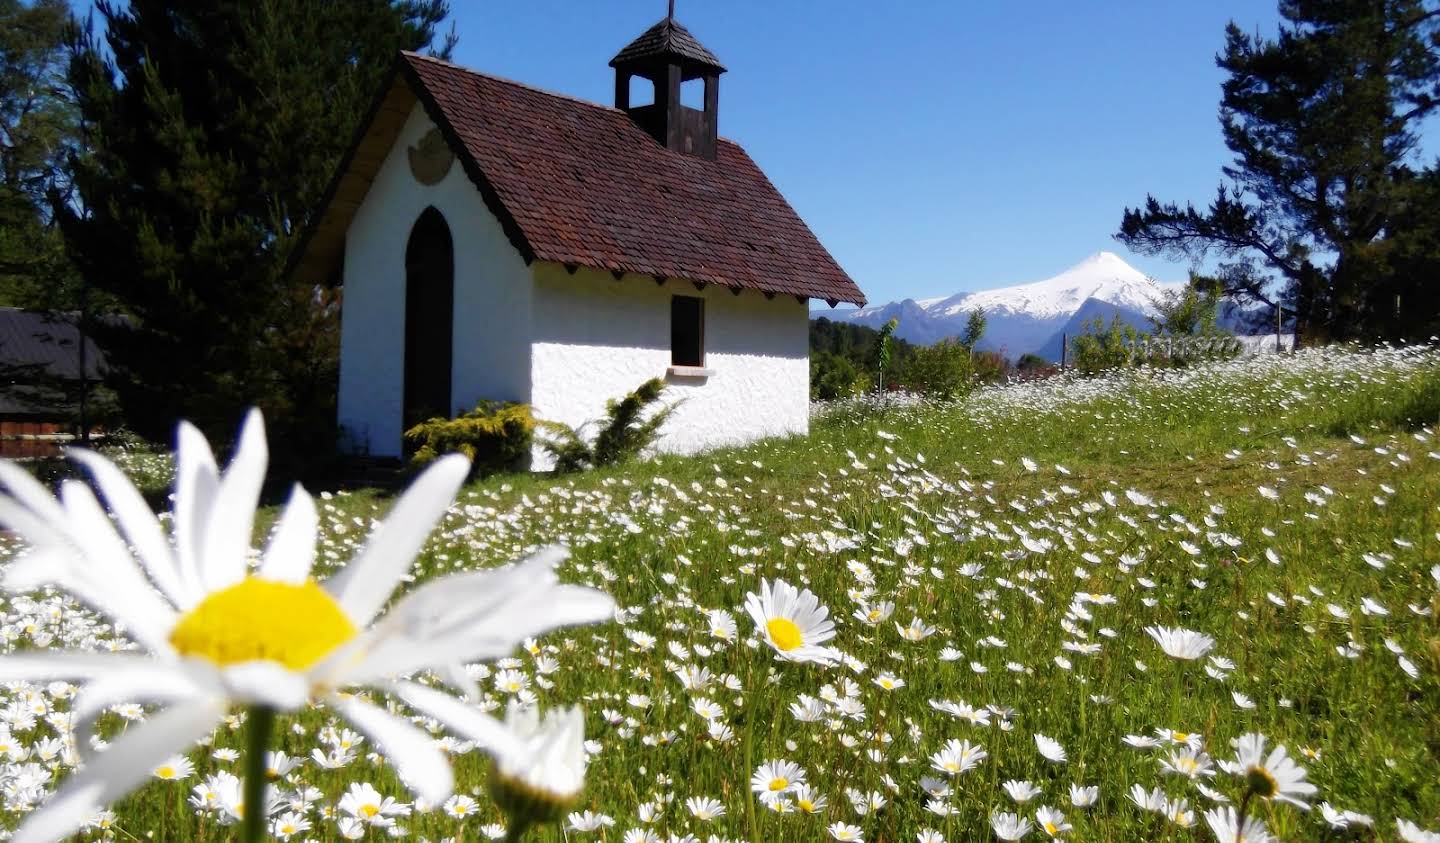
[(1104, 276), (1024, 318)]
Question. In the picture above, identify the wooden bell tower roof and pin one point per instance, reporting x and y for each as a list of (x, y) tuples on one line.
[(665, 42)]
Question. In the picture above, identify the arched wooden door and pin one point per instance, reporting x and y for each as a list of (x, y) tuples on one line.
[(429, 317)]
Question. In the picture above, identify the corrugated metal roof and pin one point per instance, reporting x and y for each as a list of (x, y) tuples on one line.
[(47, 342)]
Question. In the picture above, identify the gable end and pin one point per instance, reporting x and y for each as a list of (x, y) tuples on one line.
[(319, 255)]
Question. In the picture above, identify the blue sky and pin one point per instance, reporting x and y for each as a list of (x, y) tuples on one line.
[(932, 146)]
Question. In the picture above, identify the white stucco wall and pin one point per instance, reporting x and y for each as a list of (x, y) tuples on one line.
[(493, 294), (596, 338)]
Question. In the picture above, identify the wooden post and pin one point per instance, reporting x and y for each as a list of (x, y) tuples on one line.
[(1064, 348), (1279, 322), (84, 379)]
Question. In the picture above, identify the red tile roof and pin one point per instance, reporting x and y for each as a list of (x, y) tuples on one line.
[(580, 184)]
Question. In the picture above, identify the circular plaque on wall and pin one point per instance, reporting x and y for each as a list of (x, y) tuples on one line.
[(430, 159)]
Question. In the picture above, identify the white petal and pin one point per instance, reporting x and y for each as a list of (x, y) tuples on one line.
[(47, 665), (231, 520), (140, 525), (418, 761), (28, 491), (465, 719), (120, 769), (470, 617), (367, 582), (266, 683), (154, 683), (291, 552), (196, 480), (105, 575), (51, 552)]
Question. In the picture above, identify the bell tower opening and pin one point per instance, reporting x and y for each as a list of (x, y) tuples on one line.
[(683, 117)]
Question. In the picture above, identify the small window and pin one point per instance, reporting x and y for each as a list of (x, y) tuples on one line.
[(687, 331)]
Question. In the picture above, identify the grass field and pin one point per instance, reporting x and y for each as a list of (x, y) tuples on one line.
[(990, 567)]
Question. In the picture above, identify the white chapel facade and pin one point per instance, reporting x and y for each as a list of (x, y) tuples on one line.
[(499, 242)]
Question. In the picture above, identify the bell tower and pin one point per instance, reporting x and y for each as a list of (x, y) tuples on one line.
[(667, 55)]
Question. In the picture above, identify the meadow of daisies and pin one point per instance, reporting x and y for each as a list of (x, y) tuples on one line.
[(1129, 608)]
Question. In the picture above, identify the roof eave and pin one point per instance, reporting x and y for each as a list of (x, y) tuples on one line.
[(568, 262)]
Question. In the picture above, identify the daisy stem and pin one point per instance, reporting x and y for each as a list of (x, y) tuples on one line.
[(750, 750), (260, 722), (516, 830)]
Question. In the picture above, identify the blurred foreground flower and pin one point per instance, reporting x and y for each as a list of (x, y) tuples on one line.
[(219, 634), (539, 767)]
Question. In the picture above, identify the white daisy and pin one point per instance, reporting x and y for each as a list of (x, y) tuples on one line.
[(219, 634), (1275, 776), (792, 622), (1180, 643), (1050, 748)]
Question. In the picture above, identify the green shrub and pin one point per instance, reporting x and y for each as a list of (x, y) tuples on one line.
[(496, 436), (989, 367), (627, 431), (942, 370), (1121, 346), (1100, 349), (833, 376)]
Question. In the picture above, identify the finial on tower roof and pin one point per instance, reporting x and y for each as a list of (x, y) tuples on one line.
[(671, 15)]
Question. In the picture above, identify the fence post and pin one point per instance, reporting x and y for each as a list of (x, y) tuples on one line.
[(1064, 347)]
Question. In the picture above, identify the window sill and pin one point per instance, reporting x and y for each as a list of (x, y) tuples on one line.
[(689, 372)]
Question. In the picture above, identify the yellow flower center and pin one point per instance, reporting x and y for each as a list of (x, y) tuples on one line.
[(779, 783), (258, 619), (1180, 737), (369, 810), (165, 772), (1261, 782), (806, 805), (1051, 828), (784, 633)]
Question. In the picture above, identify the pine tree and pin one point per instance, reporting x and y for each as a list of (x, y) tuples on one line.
[(213, 128), (974, 328), (37, 132), (1324, 124)]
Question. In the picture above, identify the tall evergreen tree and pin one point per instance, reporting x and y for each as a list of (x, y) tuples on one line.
[(1324, 123), (37, 132), (213, 128)]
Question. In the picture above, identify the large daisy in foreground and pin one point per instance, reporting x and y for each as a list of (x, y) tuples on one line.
[(216, 633)]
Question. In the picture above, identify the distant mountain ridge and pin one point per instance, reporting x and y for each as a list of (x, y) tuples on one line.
[(1026, 318)]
